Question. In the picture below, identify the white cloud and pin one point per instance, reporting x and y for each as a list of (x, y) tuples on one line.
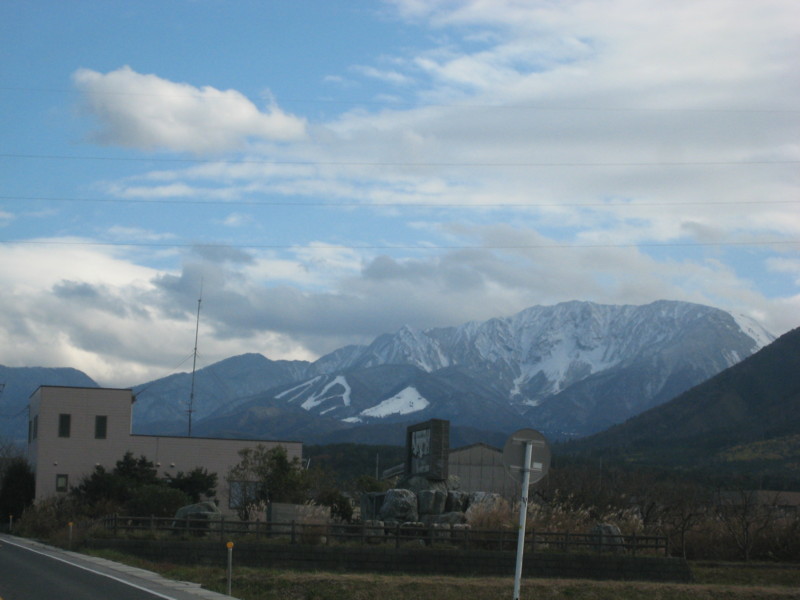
[(237, 219), (621, 130), (785, 265), (148, 112), (137, 234), (389, 76), (93, 308)]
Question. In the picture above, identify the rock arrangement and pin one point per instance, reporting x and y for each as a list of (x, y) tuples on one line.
[(426, 504)]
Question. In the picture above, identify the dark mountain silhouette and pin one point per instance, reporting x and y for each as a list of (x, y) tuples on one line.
[(746, 418)]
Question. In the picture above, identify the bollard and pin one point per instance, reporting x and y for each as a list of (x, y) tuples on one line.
[(69, 547), (230, 565), (10, 523)]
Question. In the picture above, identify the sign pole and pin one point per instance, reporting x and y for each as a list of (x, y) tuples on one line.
[(523, 516), (229, 545)]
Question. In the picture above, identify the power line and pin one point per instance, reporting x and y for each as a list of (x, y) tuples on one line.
[(356, 163), (400, 246), (612, 204), (402, 102)]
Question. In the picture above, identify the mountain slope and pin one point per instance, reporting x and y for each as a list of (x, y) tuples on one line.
[(747, 415), (221, 386), (569, 370), (20, 383)]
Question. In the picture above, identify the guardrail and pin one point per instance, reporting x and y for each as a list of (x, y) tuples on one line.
[(376, 532)]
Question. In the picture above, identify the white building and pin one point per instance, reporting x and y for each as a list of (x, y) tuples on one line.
[(71, 430)]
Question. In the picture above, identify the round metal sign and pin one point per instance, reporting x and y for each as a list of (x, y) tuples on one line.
[(514, 454)]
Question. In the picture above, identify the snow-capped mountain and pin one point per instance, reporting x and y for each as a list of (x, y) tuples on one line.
[(544, 350), (222, 385), (569, 369)]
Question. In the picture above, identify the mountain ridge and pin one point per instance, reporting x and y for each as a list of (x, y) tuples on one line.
[(560, 368), (746, 417), (569, 370)]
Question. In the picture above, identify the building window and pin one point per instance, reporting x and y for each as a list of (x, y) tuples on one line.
[(62, 482), (35, 426), (64, 424), (100, 426), (243, 493)]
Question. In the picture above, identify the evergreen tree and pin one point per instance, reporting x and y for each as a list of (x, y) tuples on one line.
[(17, 488)]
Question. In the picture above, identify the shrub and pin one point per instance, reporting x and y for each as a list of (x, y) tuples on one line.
[(17, 488), (43, 519), (155, 500), (495, 514)]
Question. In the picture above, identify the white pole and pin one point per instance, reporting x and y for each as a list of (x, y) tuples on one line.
[(523, 516)]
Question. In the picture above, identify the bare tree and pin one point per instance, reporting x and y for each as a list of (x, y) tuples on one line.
[(686, 505), (745, 514)]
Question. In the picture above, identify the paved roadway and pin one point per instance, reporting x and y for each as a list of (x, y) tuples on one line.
[(32, 571)]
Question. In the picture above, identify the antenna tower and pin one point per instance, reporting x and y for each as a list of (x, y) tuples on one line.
[(194, 359)]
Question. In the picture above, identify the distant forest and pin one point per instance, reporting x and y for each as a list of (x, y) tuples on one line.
[(347, 462)]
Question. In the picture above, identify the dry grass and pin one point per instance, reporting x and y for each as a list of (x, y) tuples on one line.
[(714, 582), (253, 585)]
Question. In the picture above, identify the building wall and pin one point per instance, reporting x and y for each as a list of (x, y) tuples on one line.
[(480, 468), (76, 456)]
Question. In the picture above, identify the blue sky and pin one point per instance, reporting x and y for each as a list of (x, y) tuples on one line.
[(331, 170)]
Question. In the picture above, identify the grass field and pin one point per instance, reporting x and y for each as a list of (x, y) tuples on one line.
[(712, 581)]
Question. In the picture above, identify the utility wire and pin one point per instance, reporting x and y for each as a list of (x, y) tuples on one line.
[(355, 163), (612, 204), (397, 247), (405, 103)]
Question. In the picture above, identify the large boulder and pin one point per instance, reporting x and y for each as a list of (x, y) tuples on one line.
[(417, 484), (431, 502), (483, 505), (448, 518), (197, 517), (399, 506), (457, 501), (606, 537), (201, 510)]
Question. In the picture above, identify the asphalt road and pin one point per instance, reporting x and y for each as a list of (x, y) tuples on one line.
[(29, 571)]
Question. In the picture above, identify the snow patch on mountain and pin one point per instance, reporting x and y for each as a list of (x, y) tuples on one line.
[(316, 399), (567, 363), (406, 402), (760, 335), (298, 389)]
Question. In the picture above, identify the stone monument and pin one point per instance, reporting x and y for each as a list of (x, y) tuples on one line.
[(428, 450)]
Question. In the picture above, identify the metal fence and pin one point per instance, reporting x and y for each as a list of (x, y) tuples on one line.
[(372, 532)]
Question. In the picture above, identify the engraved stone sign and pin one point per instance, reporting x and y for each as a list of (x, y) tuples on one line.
[(428, 449)]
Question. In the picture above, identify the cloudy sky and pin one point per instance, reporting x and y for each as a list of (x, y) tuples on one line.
[(329, 170)]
